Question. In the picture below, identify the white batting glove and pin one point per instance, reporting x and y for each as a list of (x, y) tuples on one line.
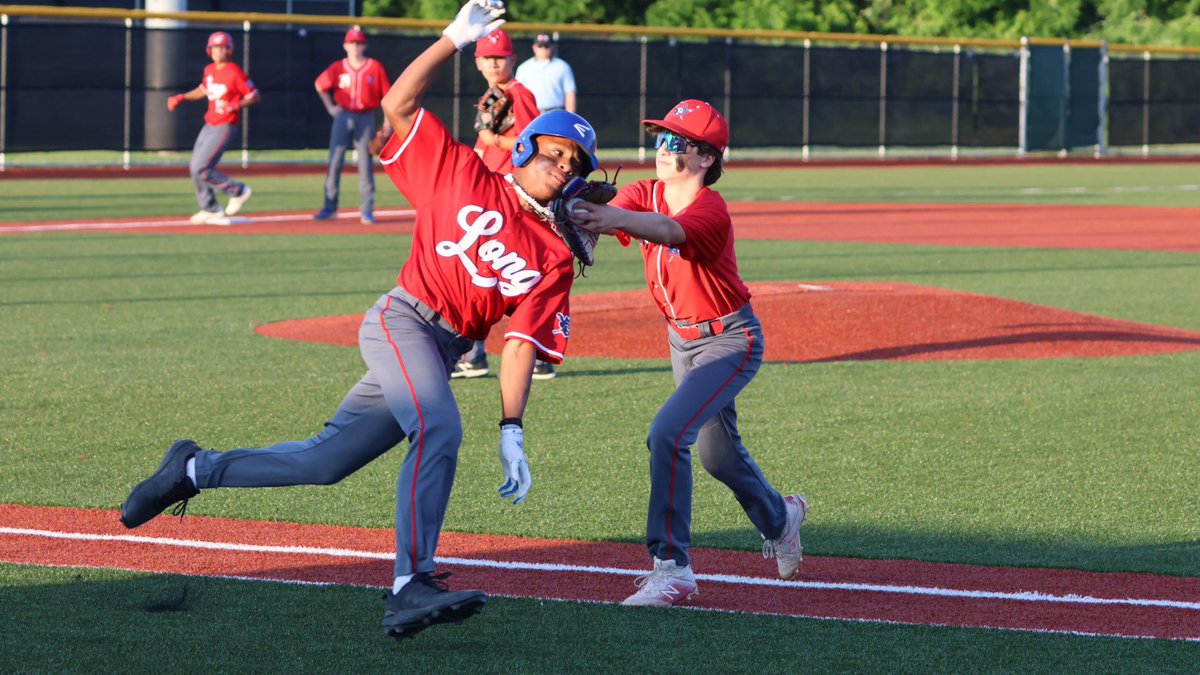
[(513, 464), (476, 19)]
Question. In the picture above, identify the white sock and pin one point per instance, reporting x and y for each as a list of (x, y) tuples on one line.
[(400, 582), (191, 470)]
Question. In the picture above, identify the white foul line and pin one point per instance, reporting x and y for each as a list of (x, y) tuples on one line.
[(1025, 596)]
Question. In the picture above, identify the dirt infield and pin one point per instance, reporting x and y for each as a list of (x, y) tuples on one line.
[(319, 168), (1045, 600), (1008, 225), (816, 322)]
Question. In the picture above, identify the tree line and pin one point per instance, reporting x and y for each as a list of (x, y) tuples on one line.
[(1144, 22)]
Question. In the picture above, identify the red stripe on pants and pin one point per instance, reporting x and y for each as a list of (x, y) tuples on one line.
[(675, 450)]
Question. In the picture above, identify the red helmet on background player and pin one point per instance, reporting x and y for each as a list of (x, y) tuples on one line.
[(220, 39)]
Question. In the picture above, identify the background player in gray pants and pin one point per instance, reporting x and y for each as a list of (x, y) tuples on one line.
[(358, 84), (716, 345), (228, 90)]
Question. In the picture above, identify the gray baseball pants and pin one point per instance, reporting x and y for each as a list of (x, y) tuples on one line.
[(709, 374), (206, 153), (357, 129), (405, 393)]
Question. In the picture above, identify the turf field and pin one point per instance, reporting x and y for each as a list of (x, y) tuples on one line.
[(115, 344)]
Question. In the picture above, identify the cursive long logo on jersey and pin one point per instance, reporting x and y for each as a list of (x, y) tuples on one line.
[(512, 276)]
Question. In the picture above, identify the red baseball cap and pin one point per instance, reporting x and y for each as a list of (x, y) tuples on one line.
[(355, 34), (698, 121), (498, 43)]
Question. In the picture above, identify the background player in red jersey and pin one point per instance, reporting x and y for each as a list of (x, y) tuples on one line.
[(482, 248), (228, 90), (358, 84), (716, 345), (494, 59)]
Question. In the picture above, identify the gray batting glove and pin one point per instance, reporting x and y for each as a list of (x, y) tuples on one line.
[(334, 111), (476, 19), (513, 464)]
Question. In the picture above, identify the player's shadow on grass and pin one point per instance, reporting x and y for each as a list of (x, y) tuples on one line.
[(1031, 339)]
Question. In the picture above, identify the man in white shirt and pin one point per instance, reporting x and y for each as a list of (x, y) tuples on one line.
[(548, 77)]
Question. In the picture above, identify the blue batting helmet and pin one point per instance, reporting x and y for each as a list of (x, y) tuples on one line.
[(559, 123)]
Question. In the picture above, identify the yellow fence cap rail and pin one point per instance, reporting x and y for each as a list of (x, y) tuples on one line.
[(102, 13)]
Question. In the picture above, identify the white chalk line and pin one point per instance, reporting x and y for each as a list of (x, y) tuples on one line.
[(931, 591), (234, 221)]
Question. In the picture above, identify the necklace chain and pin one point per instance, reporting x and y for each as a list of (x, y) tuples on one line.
[(542, 211)]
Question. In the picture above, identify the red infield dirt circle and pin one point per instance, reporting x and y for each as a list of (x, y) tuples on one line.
[(805, 322)]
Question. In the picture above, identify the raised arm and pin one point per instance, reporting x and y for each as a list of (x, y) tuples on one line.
[(476, 19)]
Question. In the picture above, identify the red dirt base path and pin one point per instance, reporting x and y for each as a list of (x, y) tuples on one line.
[(1008, 225), (816, 322), (1052, 600)]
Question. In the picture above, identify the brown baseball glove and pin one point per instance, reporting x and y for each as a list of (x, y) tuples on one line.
[(581, 242), (377, 142), (494, 111)]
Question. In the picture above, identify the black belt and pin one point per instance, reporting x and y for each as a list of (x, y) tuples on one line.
[(428, 313)]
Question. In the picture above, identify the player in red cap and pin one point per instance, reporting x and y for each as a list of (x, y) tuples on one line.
[(358, 84), (228, 90), (483, 247), (494, 59), (716, 343)]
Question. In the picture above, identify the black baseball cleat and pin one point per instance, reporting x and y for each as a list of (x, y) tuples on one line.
[(167, 486), (426, 601)]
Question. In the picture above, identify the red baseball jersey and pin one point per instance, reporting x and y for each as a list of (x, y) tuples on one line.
[(223, 85), (355, 89), (698, 280), (476, 254), (524, 107)]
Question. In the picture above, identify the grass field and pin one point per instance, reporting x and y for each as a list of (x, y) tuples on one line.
[(113, 345)]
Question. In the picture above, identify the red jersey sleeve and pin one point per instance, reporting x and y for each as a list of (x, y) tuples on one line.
[(416, 161), (706, 223), (329, 77), (544, 319), (635, 196), (245, 85), (379, 82)]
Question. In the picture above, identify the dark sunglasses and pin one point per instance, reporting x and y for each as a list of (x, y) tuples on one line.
[(674, 142)]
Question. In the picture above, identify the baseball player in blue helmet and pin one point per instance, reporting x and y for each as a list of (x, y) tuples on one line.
[(483, 248)]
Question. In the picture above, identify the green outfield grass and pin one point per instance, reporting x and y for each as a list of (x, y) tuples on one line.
[(220, 626), (1174, 185), (114, 345)]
